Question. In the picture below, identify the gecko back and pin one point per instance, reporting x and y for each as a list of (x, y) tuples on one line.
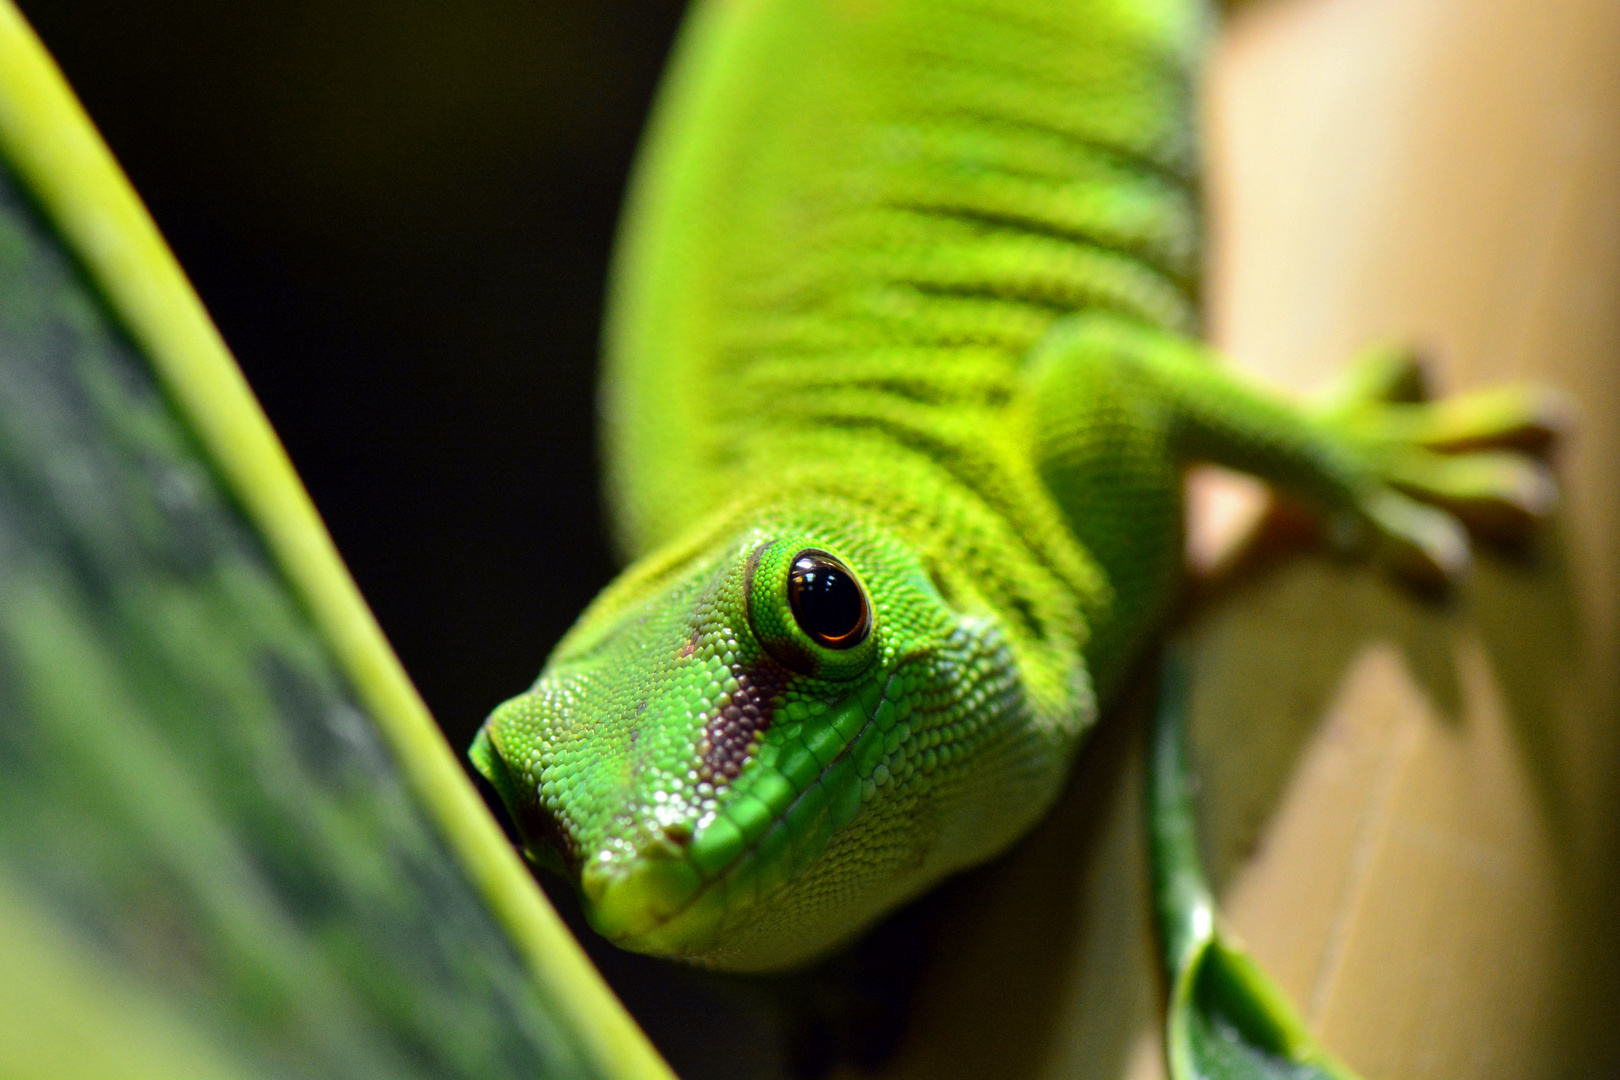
[(849, 658), (869, 212)]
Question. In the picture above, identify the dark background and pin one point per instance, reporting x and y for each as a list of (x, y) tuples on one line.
[(399, 213)]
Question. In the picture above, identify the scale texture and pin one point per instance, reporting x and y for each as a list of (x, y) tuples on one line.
[(909, 288)]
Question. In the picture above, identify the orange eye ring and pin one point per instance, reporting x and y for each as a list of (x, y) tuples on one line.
[(827, 600)]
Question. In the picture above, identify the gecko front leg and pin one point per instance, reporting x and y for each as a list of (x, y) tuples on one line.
[(1115, 410)]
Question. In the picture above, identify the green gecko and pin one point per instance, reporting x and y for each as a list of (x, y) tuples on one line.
[(902, 374)]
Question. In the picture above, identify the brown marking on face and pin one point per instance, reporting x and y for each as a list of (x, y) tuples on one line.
[(730, 737)]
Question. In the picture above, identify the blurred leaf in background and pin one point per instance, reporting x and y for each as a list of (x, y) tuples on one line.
[(399, 215), (227, 849)]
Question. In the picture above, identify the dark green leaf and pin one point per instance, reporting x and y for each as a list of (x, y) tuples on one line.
[(219, 856)]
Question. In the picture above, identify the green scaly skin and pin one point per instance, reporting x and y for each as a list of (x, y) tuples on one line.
[(915, 285)]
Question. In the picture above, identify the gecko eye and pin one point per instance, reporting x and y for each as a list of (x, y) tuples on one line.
[(828, 603), (810, 610)]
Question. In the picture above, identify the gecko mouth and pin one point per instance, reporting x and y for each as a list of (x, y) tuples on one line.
[(674, 899)]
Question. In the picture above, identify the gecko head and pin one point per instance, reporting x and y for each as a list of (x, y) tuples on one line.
[(719, 724)]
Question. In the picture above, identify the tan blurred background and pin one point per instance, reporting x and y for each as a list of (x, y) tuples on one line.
[(1437, 884), (1409, 807)]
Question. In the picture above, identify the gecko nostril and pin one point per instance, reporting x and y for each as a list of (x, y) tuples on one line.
[(546, 838)]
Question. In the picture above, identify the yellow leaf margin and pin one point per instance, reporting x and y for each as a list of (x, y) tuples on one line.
[(55, 151)]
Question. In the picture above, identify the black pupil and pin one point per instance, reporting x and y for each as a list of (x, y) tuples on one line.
[(827, 602)]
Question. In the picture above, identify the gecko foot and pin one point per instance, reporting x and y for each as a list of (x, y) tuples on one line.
[(1476, 459)]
